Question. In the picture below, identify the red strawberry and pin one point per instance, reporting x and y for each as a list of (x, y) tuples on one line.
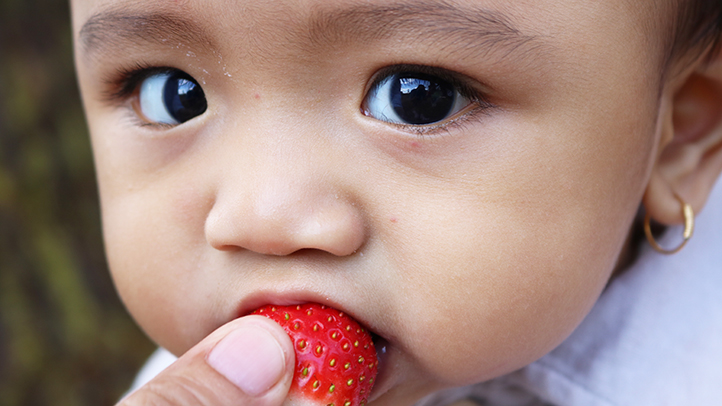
[(335, 357)]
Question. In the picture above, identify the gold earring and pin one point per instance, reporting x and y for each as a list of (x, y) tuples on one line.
[(687, 233)]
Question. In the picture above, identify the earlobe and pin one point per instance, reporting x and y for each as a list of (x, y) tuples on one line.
[(660, 201), (687, 234), (690, 161)]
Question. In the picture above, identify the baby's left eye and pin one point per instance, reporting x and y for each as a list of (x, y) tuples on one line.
[(170, 97), (414, 98)]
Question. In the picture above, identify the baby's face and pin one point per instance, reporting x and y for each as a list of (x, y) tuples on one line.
[(470, 224)]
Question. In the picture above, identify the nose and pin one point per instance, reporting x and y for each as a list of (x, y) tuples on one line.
[(276, 203)]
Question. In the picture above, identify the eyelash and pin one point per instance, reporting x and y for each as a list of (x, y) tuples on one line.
[(125, 83)]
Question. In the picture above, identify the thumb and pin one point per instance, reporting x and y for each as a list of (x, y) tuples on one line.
[(247, 362)]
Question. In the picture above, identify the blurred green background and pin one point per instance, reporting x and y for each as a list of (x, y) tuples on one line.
[(65, 339)]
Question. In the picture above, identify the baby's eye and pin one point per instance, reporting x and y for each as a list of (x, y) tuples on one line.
[(171, 97), (414, 98)]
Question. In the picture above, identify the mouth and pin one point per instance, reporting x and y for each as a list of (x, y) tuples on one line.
[(384, 380)]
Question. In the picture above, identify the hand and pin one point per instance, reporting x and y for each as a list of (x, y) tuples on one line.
[(247, 362)]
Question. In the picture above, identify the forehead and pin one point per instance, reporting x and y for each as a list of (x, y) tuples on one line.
[(559, 22)]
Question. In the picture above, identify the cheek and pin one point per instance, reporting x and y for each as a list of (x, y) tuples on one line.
[(155, 249), (517, 256), (495, 297), (154, 206)]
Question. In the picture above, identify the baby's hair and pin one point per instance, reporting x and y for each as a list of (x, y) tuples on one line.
[(697, 28)]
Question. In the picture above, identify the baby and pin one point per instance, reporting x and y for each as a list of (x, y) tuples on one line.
[(462, 177)]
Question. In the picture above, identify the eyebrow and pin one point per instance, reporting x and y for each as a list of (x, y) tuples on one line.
[(111, 30), (463, 28)]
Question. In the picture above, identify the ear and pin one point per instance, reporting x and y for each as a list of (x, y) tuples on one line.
[(690, 158)]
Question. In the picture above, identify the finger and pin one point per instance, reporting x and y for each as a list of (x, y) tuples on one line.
[(247, 362)]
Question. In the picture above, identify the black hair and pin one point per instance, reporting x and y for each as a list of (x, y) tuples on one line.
[(697, 29)]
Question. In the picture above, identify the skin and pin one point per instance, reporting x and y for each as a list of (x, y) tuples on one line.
[(471, 249)]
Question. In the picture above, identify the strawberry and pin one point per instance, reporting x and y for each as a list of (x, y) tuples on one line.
[(335, 358)]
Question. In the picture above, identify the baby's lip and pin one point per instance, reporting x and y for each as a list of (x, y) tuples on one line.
[(262, 299)]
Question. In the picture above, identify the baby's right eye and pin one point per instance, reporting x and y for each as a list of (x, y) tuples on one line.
[(170, 97)]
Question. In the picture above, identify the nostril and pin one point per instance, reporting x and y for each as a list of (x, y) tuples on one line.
[(275, 245), (226, 247), (339, 231)]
